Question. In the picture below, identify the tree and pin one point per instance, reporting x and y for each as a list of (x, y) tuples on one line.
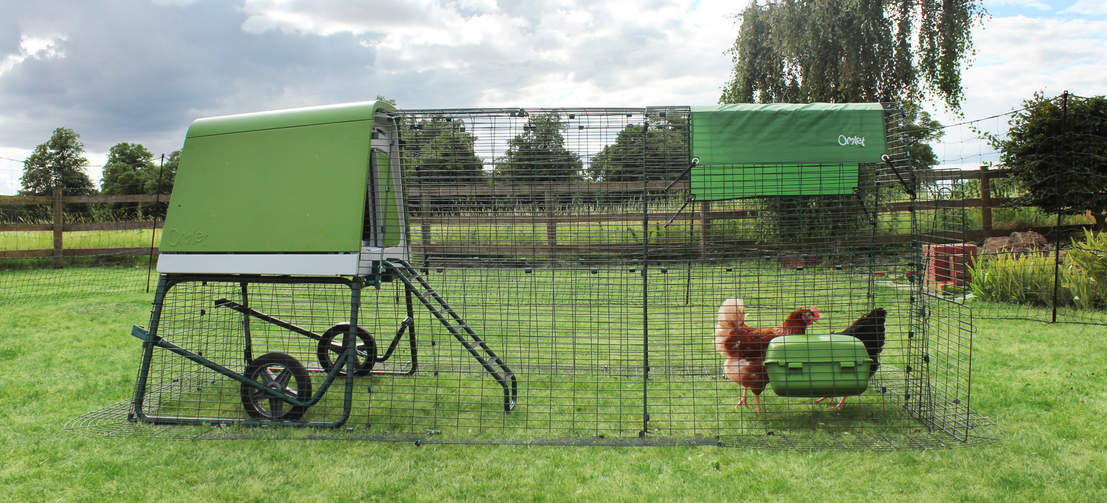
[(662, 152), (128, 169), (538, 154), (439, 150), (920, 129), (57, 164), (1057, 151), (161, 177), (852, 51), (131, 169)]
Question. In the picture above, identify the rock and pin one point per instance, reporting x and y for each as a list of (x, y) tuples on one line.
[(1029, 241), (995, 245), (1017, 242)]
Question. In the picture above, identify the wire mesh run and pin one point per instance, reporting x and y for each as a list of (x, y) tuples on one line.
[(565, 285)]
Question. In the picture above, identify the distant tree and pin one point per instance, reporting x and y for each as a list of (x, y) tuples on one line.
[(128, 169), (797, 51), (440, 150), (390, 101), (921, 129), (538, 154), (58, 163), (662, 152), (1057, 151), (160, 178)]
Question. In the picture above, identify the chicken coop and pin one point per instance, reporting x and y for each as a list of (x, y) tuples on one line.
[(574, 275)]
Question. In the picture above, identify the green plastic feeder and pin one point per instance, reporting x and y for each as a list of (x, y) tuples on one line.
[(817, 365)]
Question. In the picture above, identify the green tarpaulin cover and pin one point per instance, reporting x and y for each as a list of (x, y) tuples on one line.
[(753, 150)]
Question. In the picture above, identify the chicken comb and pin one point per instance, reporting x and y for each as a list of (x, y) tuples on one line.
[(815, 311)]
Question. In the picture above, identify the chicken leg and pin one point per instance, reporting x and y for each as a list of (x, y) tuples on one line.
[(841, 403)]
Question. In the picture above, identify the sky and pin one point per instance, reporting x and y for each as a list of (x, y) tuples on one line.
[(142, 71)]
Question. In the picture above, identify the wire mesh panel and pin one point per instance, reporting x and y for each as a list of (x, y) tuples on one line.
[(533, 224)]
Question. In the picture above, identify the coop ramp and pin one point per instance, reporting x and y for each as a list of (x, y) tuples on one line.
[(457, 327)]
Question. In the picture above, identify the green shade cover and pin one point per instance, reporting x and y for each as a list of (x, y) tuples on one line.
[(752, 150), (290, 181)]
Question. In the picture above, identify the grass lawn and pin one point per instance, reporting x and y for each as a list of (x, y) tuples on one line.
[(63, 357)]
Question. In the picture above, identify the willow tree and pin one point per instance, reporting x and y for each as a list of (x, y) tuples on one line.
[(795, 51)]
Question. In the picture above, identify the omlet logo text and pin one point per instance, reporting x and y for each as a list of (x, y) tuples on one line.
[(846, 141)]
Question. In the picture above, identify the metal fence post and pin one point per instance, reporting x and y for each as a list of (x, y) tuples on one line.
[(705, 227), (551, 219)]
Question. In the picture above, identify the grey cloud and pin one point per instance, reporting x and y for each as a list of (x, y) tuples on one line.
[(142, 73)]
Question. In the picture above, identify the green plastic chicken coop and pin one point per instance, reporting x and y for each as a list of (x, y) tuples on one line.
[(304, 196)]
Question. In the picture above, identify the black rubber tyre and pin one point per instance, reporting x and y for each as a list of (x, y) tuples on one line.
[(331, 347), (280, 372)]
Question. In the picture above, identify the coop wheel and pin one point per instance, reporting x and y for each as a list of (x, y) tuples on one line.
[(276, 371), (331, 347)]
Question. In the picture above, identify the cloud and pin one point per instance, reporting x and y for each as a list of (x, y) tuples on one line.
[(1088, 7), (144, 72), (1033, 4), (32, 47)]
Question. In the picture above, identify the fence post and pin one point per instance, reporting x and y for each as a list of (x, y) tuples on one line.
[(705, 227), (985, 200), (59, 223), (551, 223), (424, 220)]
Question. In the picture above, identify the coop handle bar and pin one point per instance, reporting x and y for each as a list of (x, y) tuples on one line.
[(145, 336)]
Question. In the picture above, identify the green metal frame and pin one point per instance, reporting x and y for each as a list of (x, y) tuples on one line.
[(150, 339), (414, 284)]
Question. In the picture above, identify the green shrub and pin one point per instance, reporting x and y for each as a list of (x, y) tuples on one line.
[(1020, 279), (1086, 270), (1028, 279)]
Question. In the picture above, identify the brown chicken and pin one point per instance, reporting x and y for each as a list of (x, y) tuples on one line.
[(744, 346)]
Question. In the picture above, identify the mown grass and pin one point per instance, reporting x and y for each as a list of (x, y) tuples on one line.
[(44, 240), (65, 356)]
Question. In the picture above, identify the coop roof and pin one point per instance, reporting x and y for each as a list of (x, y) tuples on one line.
[(783, 149), (289, 181)]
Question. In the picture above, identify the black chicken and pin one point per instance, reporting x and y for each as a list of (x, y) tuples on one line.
[(870, 330)]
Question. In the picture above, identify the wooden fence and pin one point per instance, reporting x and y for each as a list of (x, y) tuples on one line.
[(59, 226), (701, 213)]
